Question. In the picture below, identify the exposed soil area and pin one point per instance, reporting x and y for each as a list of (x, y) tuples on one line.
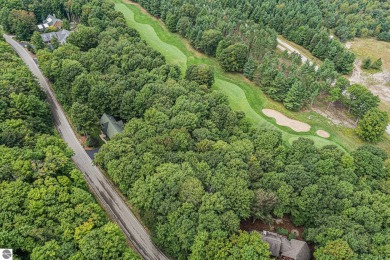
[(337, 113), (283, 120), (378, 83), (284, 223)]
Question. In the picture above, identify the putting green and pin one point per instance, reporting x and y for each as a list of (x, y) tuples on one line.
[(177, 52)]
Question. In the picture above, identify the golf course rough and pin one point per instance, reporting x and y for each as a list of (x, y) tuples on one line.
[(173, 54)]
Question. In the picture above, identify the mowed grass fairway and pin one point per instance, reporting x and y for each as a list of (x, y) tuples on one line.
[(243, 95)]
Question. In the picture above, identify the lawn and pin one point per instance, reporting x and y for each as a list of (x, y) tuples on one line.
[(242, 94)]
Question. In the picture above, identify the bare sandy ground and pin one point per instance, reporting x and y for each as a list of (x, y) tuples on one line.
[(377, 83), (283, 120), (323, 133)]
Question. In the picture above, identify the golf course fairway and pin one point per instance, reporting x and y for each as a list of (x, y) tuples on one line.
[(242, 94)]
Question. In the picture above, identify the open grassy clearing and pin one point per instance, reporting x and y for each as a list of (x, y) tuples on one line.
[(242, 94), (371, 48)]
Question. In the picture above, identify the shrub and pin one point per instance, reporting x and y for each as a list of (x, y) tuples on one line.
[(282, 231)]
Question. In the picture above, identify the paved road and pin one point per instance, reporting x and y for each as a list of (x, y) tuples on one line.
[(102, 188)]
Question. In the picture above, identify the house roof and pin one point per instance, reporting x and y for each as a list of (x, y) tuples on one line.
[(274, 242), (299, 250), (60, 35), (281, 246), (51, 20), (110, 126)]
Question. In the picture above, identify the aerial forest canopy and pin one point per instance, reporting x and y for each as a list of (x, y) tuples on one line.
[(243, 37), (195, 168), (46, 210)]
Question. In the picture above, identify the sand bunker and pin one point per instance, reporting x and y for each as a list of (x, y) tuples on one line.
[(323, 133), (283, 120)]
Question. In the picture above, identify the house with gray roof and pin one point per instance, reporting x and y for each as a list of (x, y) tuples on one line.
[(110, 126), (280, 246), (51, 20), (60, 35)]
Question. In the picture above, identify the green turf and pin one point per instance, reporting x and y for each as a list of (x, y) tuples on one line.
[(172, 54), (242, 95)]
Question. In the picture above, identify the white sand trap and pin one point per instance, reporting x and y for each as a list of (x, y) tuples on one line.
[(283, 120), (323, 133)]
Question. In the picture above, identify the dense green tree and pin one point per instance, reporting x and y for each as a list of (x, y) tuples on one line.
[(263, 204), (83, 117), (84, 37), (373, 125), (335, 250), (202, 74), (209, 41), (54, 43), (234, 57), (36, 40), (22, 23), (360, 100)]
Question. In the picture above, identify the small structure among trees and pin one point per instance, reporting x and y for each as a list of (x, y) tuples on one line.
[(61, 36), (110, 126), (51, 20), (281, 247)]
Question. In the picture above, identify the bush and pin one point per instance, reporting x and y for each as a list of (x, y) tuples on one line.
[(292, 236), (366, 63), (92, 141), (282, 231), (377, 64)]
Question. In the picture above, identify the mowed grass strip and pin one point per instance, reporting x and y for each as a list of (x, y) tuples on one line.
[(242, 94), (171, 53)]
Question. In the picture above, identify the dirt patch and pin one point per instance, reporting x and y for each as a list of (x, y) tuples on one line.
[(336, 112), (323, 133), (377, 83), (284, 223), (283, 120)]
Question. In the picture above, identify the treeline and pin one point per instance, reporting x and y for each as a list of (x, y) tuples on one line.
[(239, 35), (46, 211), (241, 43), (252, 23), (347, 19)]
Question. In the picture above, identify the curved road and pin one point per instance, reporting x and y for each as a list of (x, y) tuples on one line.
[(102, 188)]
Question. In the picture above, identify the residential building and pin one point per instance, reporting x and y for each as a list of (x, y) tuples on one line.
[(51, 20), (286, 249), (110, 126), (60, 35)]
